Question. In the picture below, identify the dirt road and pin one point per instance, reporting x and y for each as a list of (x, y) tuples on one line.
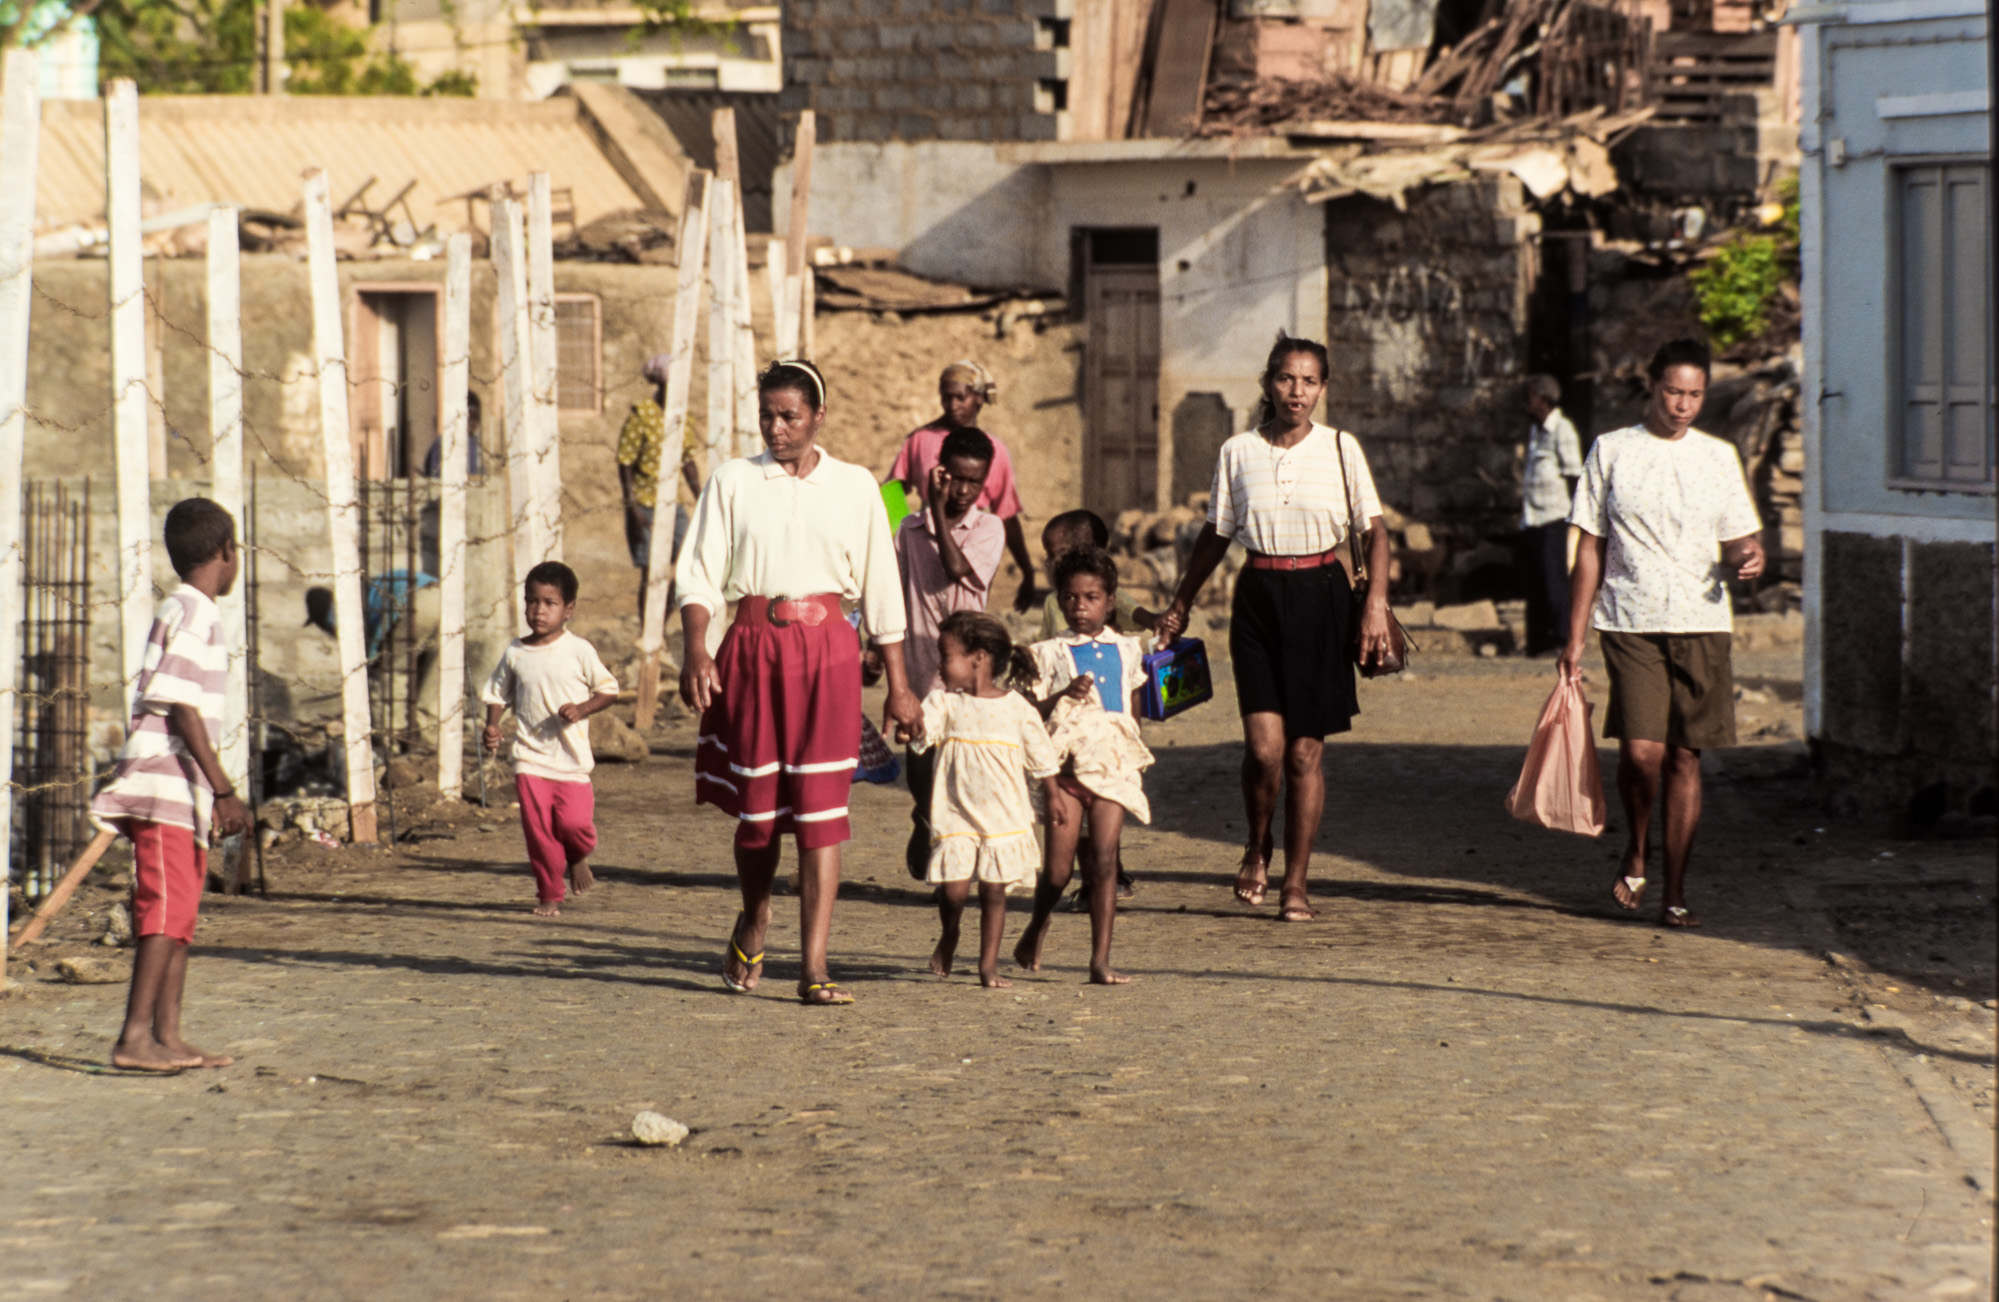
[(1470, 1079)]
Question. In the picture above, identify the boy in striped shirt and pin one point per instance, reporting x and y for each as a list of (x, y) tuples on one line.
[(168, 794)]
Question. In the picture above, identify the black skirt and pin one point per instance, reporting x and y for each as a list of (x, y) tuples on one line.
[(1288, 638)]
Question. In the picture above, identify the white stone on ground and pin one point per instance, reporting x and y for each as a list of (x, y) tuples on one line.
[(652, 1129)]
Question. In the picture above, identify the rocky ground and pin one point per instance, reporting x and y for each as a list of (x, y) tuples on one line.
[(1472, 1078)]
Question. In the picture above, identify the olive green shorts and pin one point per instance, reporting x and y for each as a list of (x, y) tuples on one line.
[(1676, 688)]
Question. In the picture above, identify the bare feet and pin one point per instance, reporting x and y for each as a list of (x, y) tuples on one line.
[(548, 909), (946, 954), (1252, 878), (993, 980), (1027, 954), (182, 1049), (1105, 976), (148, 1054), (581, 878)]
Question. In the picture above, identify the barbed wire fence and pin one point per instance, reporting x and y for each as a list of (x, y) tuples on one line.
[(391, 520)]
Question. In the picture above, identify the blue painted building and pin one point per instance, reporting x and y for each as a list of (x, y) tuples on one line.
[(1898, 404)]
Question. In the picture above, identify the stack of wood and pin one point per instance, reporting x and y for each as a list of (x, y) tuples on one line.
[(1577, 54), (1251, 107)]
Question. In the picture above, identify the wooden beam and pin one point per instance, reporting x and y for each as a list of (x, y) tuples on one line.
[(547, 447), (692, 241), (342, 511), (128, 376), (510, 269), (721, 428), (20, 138), (453, 437), (743, 353), (32, 930), (804, 141), (225, 467)]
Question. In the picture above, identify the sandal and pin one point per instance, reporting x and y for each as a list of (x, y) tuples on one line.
[(1676, 916), (749, 961), (1252, 895), (823, 994), (1300, 912), (1635, 888)]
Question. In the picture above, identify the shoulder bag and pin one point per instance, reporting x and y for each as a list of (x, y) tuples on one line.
[(1397, 657)]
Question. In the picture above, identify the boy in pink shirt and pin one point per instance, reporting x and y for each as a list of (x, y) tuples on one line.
[(554, 681)]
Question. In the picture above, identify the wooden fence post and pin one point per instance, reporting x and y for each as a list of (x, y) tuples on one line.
[(510, 268), (721, 430), (20, 136), (543, 419), (728, 164), (797, 284), (680, 374), (329, 351), (129, 416), (783, 334), (225, 430), (453, 432)]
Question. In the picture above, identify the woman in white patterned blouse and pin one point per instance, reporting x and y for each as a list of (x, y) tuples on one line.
[(1292, 492)]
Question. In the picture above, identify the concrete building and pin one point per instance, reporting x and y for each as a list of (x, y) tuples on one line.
[(1899, 676)]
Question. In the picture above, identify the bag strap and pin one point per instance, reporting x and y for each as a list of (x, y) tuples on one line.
[(1346, 495)]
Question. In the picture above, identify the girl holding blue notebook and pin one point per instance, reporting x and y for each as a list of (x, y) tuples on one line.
[(1091, 677)]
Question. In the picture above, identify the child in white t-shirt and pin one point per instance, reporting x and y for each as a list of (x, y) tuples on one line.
[(554, 681)]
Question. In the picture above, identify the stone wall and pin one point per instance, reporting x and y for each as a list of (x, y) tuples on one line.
[(923, 69), (1427, 324), (1907, 712)]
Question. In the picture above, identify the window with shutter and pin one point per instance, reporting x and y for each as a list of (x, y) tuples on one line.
[(1945, 399)]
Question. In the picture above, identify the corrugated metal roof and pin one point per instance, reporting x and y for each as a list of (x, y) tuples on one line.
[(252, 150)]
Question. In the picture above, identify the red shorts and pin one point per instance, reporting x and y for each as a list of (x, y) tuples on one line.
[(168, 873)]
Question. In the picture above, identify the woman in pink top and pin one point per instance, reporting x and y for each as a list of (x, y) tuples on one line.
[(964, 390)]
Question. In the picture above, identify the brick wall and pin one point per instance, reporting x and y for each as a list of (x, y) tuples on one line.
[(925, 69)]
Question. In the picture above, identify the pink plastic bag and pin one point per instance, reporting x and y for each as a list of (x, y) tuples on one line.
[(1560, 785)]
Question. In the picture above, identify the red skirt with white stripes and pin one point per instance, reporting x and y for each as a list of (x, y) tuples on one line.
[(778, 748)]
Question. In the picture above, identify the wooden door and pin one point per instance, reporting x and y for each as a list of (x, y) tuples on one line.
[(1121, 387)]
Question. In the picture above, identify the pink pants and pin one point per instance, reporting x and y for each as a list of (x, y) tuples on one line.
[(558, 820)]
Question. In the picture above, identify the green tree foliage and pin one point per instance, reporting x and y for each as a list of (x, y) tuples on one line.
[(209, 47), (1736, 286)]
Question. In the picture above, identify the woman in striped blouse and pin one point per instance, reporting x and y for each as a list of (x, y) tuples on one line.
[(1291, 491)]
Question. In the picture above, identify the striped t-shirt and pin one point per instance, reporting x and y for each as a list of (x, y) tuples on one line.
[(186, 663), (1288, 501)]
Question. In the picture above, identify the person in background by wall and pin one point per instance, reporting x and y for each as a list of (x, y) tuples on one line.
[(1551, 462), (638, 453), (964, 390), (1667, 519), (475, 461)]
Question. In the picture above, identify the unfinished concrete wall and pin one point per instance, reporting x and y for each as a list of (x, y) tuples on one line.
[(1907, 722), (69, 384), (1427, 323), (923, 69)]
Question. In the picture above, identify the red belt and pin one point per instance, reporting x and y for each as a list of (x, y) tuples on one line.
[(1259, 561), (781, 612)]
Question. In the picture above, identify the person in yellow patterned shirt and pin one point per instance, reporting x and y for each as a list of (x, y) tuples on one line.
[(638, 453)]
